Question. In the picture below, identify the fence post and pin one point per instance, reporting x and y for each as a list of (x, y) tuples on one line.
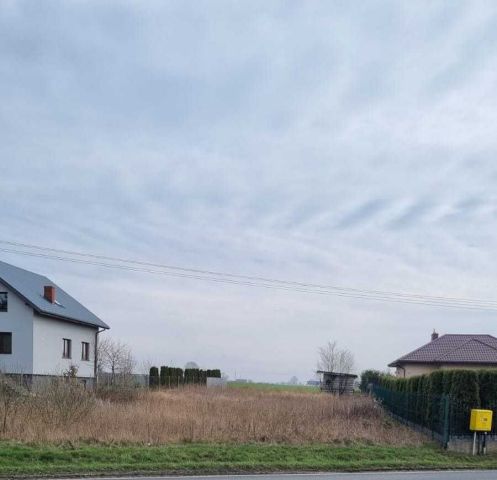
[(446, 403)]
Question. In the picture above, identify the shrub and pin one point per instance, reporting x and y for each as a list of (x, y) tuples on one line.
[(166, 376), (178, 377), (401, 385), (189, 375), (488, 388), (118, 393), (163, 376), (370, 377), (384, 380), (448, 376), (63, 401), (413, 385), (153, 379), (12, 396), (119, 387), (435, 383), (171, 377), (434, 392), (465, 395), (421, 399), (465, 388), (423, 403)]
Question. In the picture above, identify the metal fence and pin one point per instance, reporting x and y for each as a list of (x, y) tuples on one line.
[(441, 416), (430, 413), (133, 379)]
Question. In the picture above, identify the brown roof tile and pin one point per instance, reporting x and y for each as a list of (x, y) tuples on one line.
[(454, 349)]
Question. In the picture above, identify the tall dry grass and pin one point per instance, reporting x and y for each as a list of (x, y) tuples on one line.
[(201, 415)]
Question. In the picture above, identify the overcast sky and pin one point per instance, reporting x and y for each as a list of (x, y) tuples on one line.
[(347, 143)]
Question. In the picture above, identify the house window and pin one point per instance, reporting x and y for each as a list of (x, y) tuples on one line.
[(66, 352), (85, 351), (6, 342), (3, 301)]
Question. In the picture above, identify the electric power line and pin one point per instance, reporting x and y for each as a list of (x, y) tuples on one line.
[(409, 296), (218, 277)]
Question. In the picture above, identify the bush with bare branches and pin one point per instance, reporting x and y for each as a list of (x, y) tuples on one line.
[(62, 401), (115, 358), (12, 396), (197, 414)]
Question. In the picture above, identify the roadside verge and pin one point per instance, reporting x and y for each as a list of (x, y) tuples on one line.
[(27, 460)]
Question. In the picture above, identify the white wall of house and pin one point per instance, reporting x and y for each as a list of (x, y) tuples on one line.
[(19, 321), (48, 343), (413, 370)]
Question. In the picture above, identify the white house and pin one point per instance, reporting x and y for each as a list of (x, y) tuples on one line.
[(43, 330)]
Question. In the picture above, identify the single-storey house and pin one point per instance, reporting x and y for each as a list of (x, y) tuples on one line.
[(448, 351), (44, 332), (338, 383)]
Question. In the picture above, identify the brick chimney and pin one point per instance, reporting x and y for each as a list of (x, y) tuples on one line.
[(49, 293), (434, 335)]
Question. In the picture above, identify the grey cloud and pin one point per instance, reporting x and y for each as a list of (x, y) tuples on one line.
[(412, 215), (291, 140), (362, 214)]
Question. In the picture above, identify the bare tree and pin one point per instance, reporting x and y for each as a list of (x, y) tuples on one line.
[(331, 358), (337, 360), (116, 358), (327, 357), (144, 367), (346, 362), (191, 364)]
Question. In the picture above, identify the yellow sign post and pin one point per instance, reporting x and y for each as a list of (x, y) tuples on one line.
[(480, 422)]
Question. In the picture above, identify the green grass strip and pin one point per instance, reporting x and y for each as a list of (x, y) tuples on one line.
[(36, 460)]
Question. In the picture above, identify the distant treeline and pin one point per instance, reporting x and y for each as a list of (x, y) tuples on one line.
[(170, 377)]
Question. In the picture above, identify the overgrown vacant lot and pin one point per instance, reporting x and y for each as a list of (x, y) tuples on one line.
[(273, 387), (64, 430), (194, 415)]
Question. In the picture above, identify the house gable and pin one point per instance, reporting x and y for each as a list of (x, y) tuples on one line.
[(30, 286)]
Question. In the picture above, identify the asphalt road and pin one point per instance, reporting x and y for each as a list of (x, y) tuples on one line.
[(454, 475)]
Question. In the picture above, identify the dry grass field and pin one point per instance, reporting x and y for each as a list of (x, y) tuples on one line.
[(194, 415)]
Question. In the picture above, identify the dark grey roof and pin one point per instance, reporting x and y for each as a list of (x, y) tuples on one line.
[(30, 287), (450, 348)]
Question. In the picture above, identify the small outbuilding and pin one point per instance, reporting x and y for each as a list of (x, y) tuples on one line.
[(338, 383)]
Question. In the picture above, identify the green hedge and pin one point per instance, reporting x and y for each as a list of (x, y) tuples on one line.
[(487, 380), (473, 388), (436, 383), (153, 379), (448, 377), (170, 377), (465, 387)]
